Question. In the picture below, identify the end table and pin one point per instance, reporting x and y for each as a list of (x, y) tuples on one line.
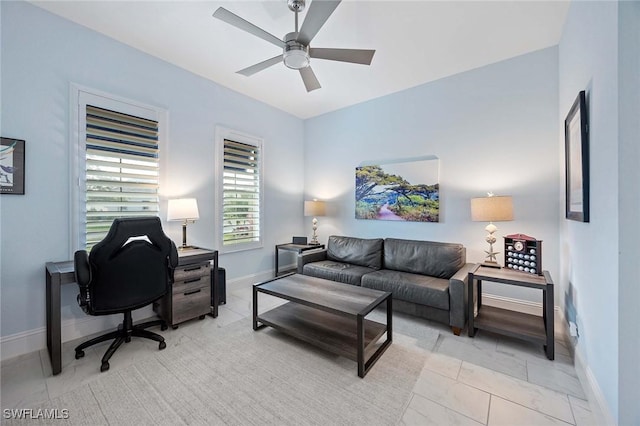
[(298, 248), (511, 323)]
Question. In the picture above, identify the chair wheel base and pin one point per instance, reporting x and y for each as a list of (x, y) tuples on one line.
[(162, 345), (79, 354), (104, 367), (174, 327), (163, 327)]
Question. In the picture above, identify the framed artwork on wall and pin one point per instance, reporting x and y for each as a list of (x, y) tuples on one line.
[(11, 166), (576, 139), (399, 190)]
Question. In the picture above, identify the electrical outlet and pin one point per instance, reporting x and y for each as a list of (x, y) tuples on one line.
[(573, 329)]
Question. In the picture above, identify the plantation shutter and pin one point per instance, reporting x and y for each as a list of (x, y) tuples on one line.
[(241, 193), (122, 169)]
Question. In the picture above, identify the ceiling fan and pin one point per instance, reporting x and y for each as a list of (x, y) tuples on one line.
[(296, 49)]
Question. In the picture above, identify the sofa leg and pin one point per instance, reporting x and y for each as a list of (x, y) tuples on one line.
[(456, 330)]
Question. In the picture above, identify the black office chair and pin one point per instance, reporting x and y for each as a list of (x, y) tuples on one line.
[(130, 268)]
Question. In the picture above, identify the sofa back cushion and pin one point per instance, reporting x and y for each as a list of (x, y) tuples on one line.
[(357, 251), (441, 260)]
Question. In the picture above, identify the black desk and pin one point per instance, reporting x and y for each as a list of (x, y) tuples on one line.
[(59, 273), (298, 248)]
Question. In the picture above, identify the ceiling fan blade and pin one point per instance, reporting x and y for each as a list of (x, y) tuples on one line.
[(318, 13), (309, 79), (356, 56), (260, 66), (233, 19)]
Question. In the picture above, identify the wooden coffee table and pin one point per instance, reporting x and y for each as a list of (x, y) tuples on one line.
[(329, 315)]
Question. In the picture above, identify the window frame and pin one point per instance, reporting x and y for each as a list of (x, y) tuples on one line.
[(222, 133), (80, 97)]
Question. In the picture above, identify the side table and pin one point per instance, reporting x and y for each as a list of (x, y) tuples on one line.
[(512, 323), (298, 248)]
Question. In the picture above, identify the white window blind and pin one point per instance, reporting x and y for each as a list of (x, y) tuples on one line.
[(241, 197), (121, 169)]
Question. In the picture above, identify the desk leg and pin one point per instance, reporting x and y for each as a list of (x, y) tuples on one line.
[(549, 321), (216, 286), (277, 266), (54, 335), (470, 305)]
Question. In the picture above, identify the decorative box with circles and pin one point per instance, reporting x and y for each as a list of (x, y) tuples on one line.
[(523, 253)]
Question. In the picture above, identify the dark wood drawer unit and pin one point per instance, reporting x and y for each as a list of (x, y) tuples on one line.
[(192, 288), (192, 294)]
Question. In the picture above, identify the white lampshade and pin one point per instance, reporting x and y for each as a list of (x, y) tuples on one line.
[(314, 208), (183, 209), (492, 209)]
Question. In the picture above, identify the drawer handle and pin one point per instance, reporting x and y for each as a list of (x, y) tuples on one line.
[(192, 269), (187, 293), (194, 280)]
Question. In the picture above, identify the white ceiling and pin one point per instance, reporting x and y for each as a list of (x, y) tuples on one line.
[(415, 41)]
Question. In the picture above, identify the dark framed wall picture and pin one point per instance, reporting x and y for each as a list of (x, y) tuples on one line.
[(11, 166), (576, 139)]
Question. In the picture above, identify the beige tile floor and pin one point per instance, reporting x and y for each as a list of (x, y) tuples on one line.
[(486, 380)]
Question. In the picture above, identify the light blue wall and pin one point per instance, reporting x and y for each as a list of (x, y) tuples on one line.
[(589, 251), (629, 226), (41, 55), (494, 129)]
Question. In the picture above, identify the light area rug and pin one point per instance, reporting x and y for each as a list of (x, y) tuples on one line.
[(237, 376)]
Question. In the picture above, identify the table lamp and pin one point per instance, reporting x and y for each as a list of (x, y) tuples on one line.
[(314, 208), (491, 209), (185, 209)]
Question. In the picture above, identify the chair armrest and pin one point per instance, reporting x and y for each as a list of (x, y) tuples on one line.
[(310, 256), (173, 256), (82, 268), (83, 277), (459, 296)]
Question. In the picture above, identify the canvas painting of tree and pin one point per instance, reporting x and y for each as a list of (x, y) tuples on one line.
[(393, 191)]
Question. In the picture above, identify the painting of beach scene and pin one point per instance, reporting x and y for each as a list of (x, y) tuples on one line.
[(399, 190)]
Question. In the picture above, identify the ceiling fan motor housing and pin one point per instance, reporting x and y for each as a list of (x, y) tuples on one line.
[(296, 55), (296, 5)]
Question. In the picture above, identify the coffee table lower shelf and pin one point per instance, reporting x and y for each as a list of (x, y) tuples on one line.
[(331, 332)]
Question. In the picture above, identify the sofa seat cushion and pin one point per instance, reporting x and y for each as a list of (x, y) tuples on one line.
[(336, 271), (414, 288)]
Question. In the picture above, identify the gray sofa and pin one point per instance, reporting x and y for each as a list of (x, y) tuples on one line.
[(427, 279)]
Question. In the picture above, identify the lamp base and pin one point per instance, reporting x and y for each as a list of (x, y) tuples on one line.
[(314, 237)]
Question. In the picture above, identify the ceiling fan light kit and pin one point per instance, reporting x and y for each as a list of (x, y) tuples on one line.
[(296, 50), (295, 55)]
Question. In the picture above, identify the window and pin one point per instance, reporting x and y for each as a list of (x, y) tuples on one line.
[(239, 190), (117, 163)]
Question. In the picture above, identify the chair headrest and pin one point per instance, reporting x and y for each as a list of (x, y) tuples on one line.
[(124, 231)]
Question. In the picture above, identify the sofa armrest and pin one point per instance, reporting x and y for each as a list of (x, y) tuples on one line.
[(459, 296), (310, 256)]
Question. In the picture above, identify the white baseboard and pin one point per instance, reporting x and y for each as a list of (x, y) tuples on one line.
[(597, 402), (524, 306), (250, 279), (34, 340), (599, 408)]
